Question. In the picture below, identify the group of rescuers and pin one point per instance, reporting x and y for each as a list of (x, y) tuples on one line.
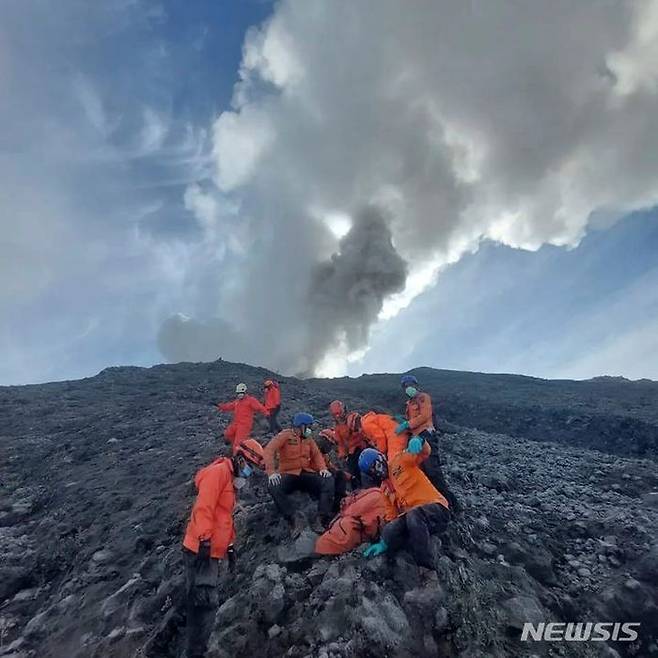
[(399, 496)]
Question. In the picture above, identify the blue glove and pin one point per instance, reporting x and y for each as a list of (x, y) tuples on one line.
[(402, 427), (415, 445), (373, 550), (400, 418)]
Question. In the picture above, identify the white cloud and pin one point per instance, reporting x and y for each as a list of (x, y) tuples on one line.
[(240, 141), (464, 121), (636, 66)]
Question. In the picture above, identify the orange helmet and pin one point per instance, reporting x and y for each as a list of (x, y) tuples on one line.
[(354, 422), (253, 452), (337, 409), (267, 383)]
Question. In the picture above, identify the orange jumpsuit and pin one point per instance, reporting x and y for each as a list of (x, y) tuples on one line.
[(348, 442), (412, 488), (379, 432), (295, 454), (272, 397), (212, 513), (243, 418), (419, 413), (362, 516)]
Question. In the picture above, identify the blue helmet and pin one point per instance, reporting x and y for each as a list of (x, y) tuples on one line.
[(302, 419), (369, 458), (408, 380)]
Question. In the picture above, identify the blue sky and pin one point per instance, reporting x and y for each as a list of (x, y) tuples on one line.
[(554, 313), (180, 181)]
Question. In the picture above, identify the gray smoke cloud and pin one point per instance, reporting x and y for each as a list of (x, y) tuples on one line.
[(517, 122), (347, 292), (185, 339)]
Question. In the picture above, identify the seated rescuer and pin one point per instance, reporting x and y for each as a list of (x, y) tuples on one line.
[(424, 510), (349, 441), (301, 467), (209, 537), (420, 422), (243, 409)]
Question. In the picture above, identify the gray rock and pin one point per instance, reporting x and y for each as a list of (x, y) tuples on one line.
[(120, 599), (273, 631), (440, 619), (651, 499), (522, 609), (116, 633), (275, 603), (102, 557)]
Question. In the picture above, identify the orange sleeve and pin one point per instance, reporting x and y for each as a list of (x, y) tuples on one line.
[(424, 412), (407, 459), (317, 460), (203, 511), (226, 406), (257, 406), (270, 451)]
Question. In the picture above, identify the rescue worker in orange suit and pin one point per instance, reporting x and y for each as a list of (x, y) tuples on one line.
[(209, 538), (362, 516), (378, 430), (420, 422), (424, 510), (272, 402), (349, 440), (243, 409), (300, 467)]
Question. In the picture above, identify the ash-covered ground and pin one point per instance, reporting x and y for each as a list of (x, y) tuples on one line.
[(560, 521)]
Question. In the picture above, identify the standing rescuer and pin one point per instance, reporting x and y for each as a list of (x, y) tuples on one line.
[(301, 467), (349, 439), (209, 538), (243, 409), (272, 402), (420, 422)]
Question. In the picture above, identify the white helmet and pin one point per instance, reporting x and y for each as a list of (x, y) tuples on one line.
[(241, 388)]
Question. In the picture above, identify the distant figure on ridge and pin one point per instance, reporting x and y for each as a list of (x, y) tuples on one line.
[(243, 408), (272, 402)]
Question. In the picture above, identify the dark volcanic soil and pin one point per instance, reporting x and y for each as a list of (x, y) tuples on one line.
[(96, 489)]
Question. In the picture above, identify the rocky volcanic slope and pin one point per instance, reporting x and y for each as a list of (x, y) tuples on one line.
[(96, 489), (607, 413)]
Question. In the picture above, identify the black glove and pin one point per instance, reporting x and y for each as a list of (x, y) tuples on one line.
[(230, 555), (203, 555)]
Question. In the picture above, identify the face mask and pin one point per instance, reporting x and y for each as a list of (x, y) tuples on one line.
[(308, 432), (411, 391), (240, 396), (238, 483), (246, 471)]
